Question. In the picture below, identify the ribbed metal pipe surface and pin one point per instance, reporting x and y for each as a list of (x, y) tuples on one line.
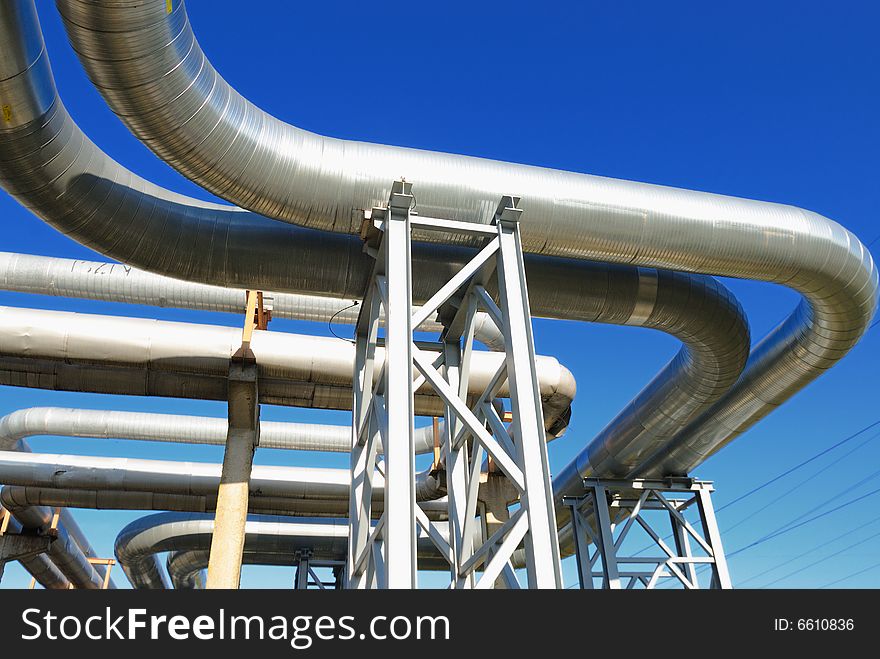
[(103, 354), (178, 428), (152, 72), (138, 544), (594, 218), (112, 210), (117, 282), (85, 472)]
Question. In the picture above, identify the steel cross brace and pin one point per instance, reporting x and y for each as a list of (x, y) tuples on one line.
[(610, 508), (385, 381)]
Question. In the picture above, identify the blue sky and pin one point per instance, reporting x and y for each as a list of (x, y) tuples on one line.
[(749, 99)]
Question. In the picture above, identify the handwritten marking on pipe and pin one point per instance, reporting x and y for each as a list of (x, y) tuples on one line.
[(7, 113)]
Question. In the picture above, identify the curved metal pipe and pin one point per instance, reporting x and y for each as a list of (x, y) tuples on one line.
[(187, 568), (152, 72), (53, 169), (139, 542)]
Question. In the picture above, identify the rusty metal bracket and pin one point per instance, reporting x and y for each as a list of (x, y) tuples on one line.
[(258, 313)]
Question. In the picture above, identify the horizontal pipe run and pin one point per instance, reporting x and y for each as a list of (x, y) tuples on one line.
[(133, 356), (152, 72), (112, 210), (177, 428), (117, 282), (170, 477)]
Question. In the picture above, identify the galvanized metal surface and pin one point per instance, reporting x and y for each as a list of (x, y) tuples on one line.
[(132, 221), (152, 72)]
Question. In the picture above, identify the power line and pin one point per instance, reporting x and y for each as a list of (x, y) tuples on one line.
[(854, 574), (783, 531), (803, 482), (844, 491), (333, 317), (788, 561), (800, 465), (787, 472), (822, 560)]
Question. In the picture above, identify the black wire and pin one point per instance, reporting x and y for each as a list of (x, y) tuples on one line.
[(873, 241), (760, 487), (822, 545), (330, 322), (821, 560), (799, 466), (850, 576), (809, 479), (783, 531), (834, 497)]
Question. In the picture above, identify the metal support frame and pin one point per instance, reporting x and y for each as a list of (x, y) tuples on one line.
[(383, 554), (16, 546), (109, 563), (305, 576), (609, 509)]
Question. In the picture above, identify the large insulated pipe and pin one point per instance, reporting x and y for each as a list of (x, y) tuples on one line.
[(18, 425), (64, 552), (38, 518), (46, 470), (151, 70), (117, 282), (103, 354), (177, 428), (138, 544), (186, 568), (52, 168), (108, 499)]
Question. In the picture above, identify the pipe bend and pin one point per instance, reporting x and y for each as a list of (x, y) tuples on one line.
[(568, 214), (154, 75)]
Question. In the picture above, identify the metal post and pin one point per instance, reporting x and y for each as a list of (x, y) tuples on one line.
[(581, 544), (400, 499), (720, 573), (542, 549), (227, 544), (457, 468), (683, 548), (606, 538), (301, 578), (365, 434)]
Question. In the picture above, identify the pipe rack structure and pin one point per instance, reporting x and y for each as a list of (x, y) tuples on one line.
[(593, 250)]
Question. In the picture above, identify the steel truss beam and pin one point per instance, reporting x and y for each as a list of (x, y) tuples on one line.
[(305, 576), (384, 554), (609, 509)]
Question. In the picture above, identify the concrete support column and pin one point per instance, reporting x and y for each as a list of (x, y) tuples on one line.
[(227, 545)]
